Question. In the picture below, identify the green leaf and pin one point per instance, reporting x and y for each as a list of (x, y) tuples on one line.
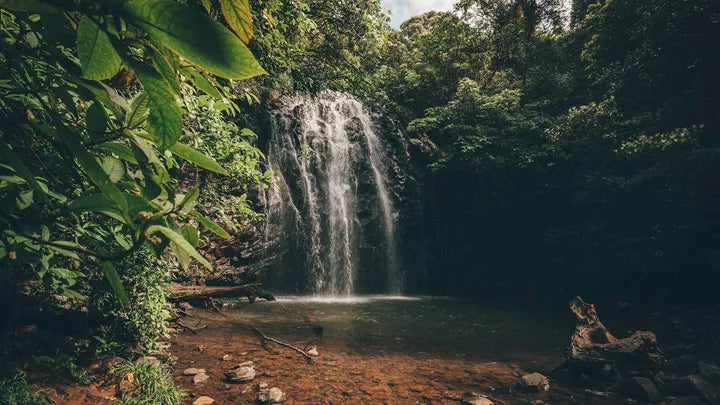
[(165, 120), (114, 168), (180, 242), (207, 5), (237, 14), (29, 6), (191, 234), (98, 58), (113, 278), (194, 36), (96, 119), (106, 95), (138, 111), (166, 71), (8, 155), (190, 200), (198, 158), (203, 83), (123, 151), (24, 199), (210, 225), (93, 169), (97, 203)]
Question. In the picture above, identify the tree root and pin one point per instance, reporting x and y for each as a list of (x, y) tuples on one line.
[(283, 344)]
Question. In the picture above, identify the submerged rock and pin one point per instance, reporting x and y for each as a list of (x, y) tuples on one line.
[(535, 382), (477, 400), (269, 396), (689, 400), (243, 372), (639, 388), (697, 386)]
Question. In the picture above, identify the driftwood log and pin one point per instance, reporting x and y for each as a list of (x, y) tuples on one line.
[(595, 351), (251, 291)]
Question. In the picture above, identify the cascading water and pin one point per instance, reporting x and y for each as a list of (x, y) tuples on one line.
[(331, 219)]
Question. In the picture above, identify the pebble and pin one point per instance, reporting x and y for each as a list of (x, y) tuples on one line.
[(243, 372), (313, 351)]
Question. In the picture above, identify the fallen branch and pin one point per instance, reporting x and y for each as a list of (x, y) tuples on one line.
[(179, 323), (180, 292), (283, 344)]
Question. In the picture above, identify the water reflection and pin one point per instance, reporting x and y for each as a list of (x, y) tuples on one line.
[(433, 325)]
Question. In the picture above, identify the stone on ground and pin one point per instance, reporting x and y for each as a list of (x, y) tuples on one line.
[(535, 382), (200, 377), (192, 371), (203, 401), (243, 372)]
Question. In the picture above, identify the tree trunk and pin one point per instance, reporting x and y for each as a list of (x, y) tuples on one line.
[(252, 291)]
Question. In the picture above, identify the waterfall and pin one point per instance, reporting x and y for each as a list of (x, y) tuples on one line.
[(332, 212)]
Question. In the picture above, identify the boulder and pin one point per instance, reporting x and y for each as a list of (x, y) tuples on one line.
[(685, 364), (639, 388), (534, 382)]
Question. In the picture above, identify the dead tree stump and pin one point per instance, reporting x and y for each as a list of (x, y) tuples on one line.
[(595, 351)]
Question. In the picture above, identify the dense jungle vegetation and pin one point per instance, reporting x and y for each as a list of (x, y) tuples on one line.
[(561, 149)]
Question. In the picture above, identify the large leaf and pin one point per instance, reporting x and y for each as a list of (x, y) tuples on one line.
[(194, 36), (165, 120), (138, 111), (123, 151), (114, 168), (193, 156), (96, 121), (202, 83), (113, 278), (29, 6), (166, 71), (180, 242), (237, 14), (210, 225), (93, 169), (98, 58), (96, 203)]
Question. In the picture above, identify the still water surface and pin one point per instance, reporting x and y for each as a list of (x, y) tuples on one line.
[(434, 326)]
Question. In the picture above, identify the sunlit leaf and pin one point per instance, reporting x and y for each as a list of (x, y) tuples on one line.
[(210, 225), (138, 111), (114, 168), (165, 119), (98, 58), (180, 242), (202, 83), (238, 16), (194, 36), (191, 234)]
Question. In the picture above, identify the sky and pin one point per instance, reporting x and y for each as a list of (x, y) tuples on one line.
[(404, 9)]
